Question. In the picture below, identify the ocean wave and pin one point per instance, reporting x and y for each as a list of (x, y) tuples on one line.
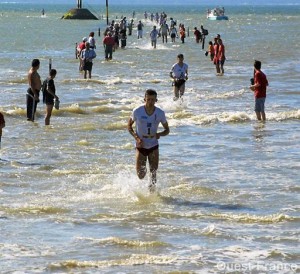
[(125, 243), (225, 95), (134, 259), (286, 115), (104, 109), (35, 210), (248, 218), (115, 126)]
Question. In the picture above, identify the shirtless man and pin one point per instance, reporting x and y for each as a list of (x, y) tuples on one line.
[(147, 118), (33, 91), (179, 74)]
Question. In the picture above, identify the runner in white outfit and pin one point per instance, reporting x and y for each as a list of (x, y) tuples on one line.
[(179, 74), (147, 118)]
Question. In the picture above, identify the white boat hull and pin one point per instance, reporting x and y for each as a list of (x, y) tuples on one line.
[(221, 17)]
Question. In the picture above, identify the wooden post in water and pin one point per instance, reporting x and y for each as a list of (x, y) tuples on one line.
[(107, 12)]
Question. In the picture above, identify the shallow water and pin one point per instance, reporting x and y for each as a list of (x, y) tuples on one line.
[(228, 186)]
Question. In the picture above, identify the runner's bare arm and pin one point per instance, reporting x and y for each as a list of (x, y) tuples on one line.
[(165, 132)]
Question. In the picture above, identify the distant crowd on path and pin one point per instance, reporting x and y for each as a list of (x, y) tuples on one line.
[(86, 53)]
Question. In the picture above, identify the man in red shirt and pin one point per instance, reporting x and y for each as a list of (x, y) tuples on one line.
[(197, 34), (260, 88), (108, 43)]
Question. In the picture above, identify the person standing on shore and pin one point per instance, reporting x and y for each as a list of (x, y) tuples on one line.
[(147, 118), (33, 92), (49, 95), (259, 88), (179, 74)]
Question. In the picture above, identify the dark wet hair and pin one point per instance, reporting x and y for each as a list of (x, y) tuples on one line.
[(92, 34), (257, 64), (53, 72), (35, 62), (150, 92), (180, 55)]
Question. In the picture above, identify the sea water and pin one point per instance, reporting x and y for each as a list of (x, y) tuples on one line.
[(228, 186)]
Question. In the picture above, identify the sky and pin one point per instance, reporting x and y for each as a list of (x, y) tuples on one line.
[(165, 2)]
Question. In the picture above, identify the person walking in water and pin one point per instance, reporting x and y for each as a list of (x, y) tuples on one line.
[(49, 95), (179, 74), (221, 56), (2, 125), (204, 33), (173, 33), (108, 43), (182, 32), (87, 56), (259, 88), (147, 118), (33, 92), (140, 27), (164, 31), (153, 36)]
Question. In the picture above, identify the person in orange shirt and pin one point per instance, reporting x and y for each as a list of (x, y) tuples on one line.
[(215, 60), (210, 51), (182, 32), (221, 56)]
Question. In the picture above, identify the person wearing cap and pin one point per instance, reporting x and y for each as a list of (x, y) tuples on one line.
[(80, 48), (153, 36), (108, 43), (33, 92)]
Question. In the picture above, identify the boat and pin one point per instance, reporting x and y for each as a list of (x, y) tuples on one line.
[(216, 14)]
